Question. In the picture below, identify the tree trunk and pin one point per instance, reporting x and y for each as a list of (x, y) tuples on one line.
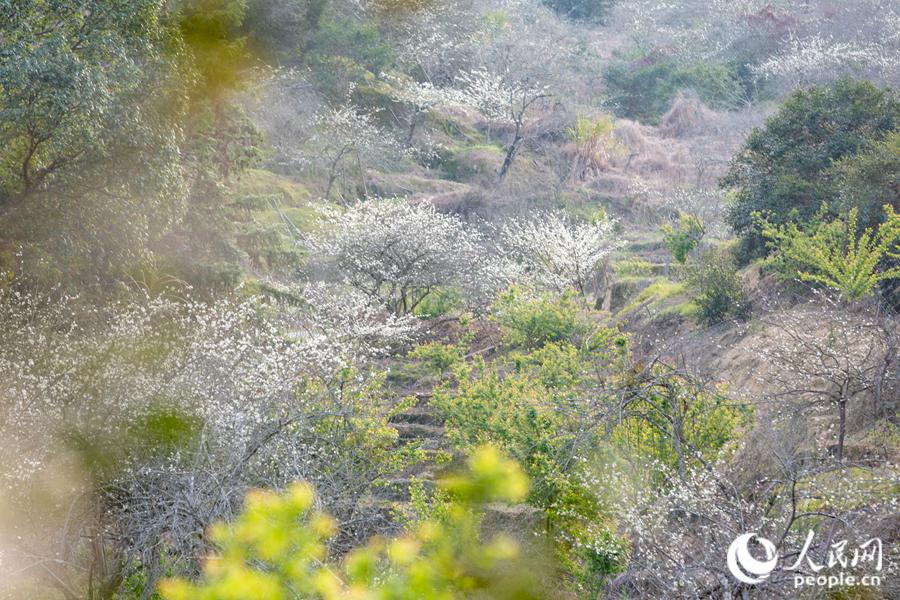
[(510, 157), (362, 176), (413, 121), (333, 170), (842, 428), (677, 433)]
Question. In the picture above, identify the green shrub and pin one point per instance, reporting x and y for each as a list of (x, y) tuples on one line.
[(438, 358), (644, 89), (719, 293), (682, 241), (346, 50), (276, 549), (534, 404), (470, 162), (703, 421), (532, 320), (836, 254), (534, 413), (787, 168), (438, 303), (868, 180), (633, 267)]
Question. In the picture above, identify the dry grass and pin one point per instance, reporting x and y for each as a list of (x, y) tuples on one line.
[(688, 117), (652, 156)]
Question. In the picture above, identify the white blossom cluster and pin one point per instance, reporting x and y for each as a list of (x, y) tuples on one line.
[(696, 29), (553, 251), (396, 252), (346, 131), (270, 394), (681, 531), (794, 43), (440, 38), (818, 58), (498, 98), (338, 142), (343, 327), (422, 95)]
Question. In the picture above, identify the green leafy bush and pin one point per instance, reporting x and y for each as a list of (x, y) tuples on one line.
[(869, 179), (682, 241), (536, 406), (719, 293), (633, 267), (438, 358), (532, 320), (438, 303), (836, 254), (644, 89), (276, 549), (785, 167), (345, 50), (672, 421)]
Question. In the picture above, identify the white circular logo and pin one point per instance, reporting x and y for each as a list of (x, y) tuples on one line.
[(746, 568)]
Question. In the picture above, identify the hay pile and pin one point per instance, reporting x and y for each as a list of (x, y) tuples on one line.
[(688, 117), (649, 155)]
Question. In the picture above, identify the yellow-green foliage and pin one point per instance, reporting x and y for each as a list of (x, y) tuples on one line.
[(665, 404), (276, 549), (595, 141), (834, 254), (439, 302), (655, 294), (557, 365), (632, 267), (278, 200), (532, 320), (683, 239), (438, 358), (259, 182), (537, 406), (537, 425)]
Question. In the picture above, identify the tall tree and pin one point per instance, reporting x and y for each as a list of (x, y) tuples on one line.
[(783, 168), (87, 137)]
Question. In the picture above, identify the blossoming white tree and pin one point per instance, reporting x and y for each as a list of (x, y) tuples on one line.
[(825, 358), (557, 252), (419, 96), (817, 58), (437, 38), (336, 142), (396, 252), (342, 327), (503, 101), (780, 40), (346, 134), (681, 530), (167, 412)]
